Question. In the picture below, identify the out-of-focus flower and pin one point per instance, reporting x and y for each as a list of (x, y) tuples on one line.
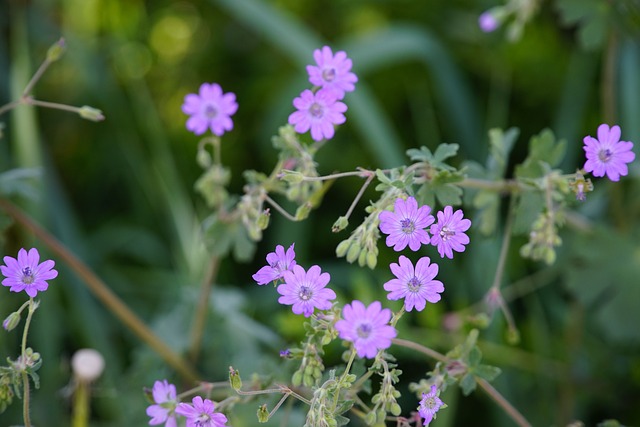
[(405, 226), (607, 154), (210, 109), (448, 233), (306, 290), (319, 112), (332, 72), (416, 286), (488, 22), (163, 410), (201, 413), (278, 262), (366, 327), (27, 273)]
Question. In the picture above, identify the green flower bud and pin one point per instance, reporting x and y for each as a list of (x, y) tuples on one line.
[(513, 336), (340, 224), (372, 259), (362, 258), (263, 219), (263, 414), (303, 211), (296, 380), (234, 379), (294, 177), (56, 50), (91, 113), (370, 419), (308, 381), (341, 249), (11, 321), (395, 409), (203, 158), (353, 253)]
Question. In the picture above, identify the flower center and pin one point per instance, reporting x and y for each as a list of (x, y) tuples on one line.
[(316, 110), (414, 284), (203, 420), (27, 276), (446, 233), (329, 74), (604, 155), (364, 330), (430, 403), (408, 226), (210, 111), (305, 293)]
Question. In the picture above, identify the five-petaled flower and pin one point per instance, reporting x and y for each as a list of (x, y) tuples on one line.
[(607, 154), (448, 233), (27, 273), (366, 327), (201, 413), (210, 109), (488, 22), (278, 262), (416, 286), (406, 224), (306, 290), (332, 72), (319, 112), (429, 405), (162, 411)]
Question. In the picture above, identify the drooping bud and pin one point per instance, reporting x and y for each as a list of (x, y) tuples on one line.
[(91, 113), (56, 50), (11, 321)]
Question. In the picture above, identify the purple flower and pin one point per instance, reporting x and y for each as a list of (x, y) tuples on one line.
[(26, 273), (366, 327), (607, 154), (448, 233), (201, 413), (332, 71), (488, 22), (318, 112), (305, 290), (278, 262), (415, 286), (211, 109), (164, 396), (406, 224), (429, 405)]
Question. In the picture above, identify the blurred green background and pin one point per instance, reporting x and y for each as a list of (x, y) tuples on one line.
[(119, 193)]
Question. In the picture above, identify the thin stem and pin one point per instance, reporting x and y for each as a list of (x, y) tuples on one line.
[(488, 388), (506, 240), (23, 356), (279, 208), (360, 173), (25, 332), (359, 195), (53, 105), (200, 316), (39, 72), (10, 106), (503, 403), (102, 292), (25, 400)]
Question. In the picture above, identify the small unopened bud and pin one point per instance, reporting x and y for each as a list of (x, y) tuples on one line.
[(340, 224), (294, 177), (203, 158), (91, 113), (263, 219), (342, 248), (263, 413), (87, 364), (56, 50), (303, 211), (513, 336), (11, 321), (353, 253), (234, 379)]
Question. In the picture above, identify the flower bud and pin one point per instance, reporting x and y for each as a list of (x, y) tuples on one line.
[(353, 253), (234, 379), (91, 113), (263, 219), (87, 364), (341, 249), (303, 211), (294, 177), (340, 224), (263, 414), (11, 321), (56, 50)]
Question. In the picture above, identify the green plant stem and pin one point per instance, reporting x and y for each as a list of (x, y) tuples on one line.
[(103, 292), (25, 400), (197, 330), (280, 209), (80, 417), (488, 388), (23, 355), (359, 196)]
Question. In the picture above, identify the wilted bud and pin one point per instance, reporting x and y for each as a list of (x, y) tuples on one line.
[(87, 364), (11, 321), (56, 50), (91, 113), (263, 414), (340, 224), (234, 379)]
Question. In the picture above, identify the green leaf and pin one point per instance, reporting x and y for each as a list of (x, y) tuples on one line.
[(592, 18), (544, 153), (468, 384), (487, 372), (528, 207), (436, 160), (474, 358)]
